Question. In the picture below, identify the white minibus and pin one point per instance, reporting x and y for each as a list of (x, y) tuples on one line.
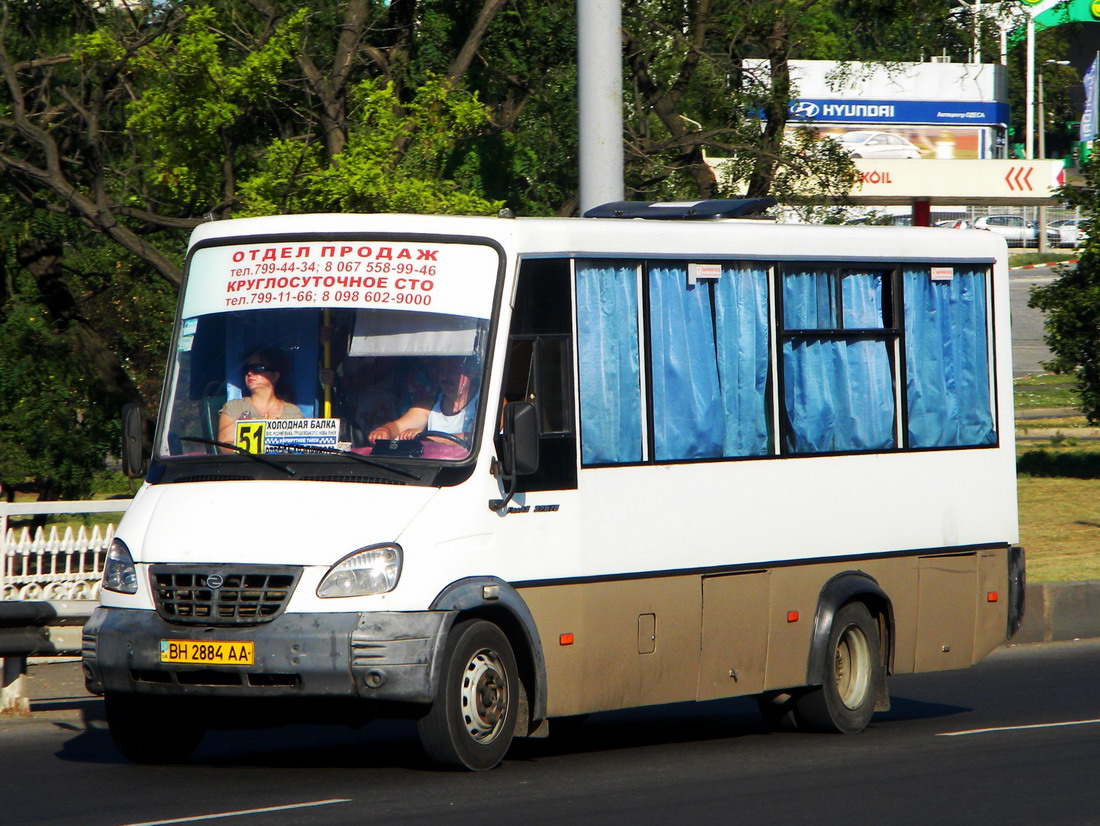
[(488, 472)]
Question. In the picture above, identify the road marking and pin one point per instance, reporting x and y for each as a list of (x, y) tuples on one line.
[(241, 812), (1017, 728)]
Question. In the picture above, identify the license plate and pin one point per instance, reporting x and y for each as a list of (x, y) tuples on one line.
[(212, 652)]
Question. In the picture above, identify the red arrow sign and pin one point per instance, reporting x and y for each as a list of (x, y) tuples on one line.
[(1019, 178)]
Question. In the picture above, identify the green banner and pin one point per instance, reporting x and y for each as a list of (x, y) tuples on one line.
[(1072, 11), (1048, 13)]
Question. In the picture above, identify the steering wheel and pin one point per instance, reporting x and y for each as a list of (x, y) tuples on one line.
[(450, 437)]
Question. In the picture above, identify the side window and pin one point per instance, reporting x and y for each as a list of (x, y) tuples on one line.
[(947, 358), (539, 369), (838, 352), (709, 356), (609, 362)]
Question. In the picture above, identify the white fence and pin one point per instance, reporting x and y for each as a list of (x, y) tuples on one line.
[(54, 564)]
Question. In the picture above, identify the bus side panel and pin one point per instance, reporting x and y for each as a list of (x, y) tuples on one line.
[(991, 625), (946, 617), (631, 643), (736, 608), (796, 591)]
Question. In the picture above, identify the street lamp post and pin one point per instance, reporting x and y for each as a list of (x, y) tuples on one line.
[(1041, 230), (1041, 106)]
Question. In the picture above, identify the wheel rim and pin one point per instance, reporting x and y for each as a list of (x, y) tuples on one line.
[(484, 696), (852, 667)]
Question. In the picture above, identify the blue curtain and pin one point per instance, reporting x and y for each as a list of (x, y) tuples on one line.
[(688, 420), (947, 360), (610, 377), (862, 299), (838, 392), (809, 300), (741, 315)]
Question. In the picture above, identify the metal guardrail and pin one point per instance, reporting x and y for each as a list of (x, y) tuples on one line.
[(31, 629), (49, 586)]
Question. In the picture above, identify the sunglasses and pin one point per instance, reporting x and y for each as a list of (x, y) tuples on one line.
[(257, 368)]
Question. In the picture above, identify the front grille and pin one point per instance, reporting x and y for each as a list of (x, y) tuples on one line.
[(222, 594)]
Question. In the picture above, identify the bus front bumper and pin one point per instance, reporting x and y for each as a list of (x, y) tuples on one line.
[(385, 656)]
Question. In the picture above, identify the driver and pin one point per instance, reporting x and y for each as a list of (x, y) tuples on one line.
[(451, 411)]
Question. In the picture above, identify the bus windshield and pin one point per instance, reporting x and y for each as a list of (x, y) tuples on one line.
[(296, 348)]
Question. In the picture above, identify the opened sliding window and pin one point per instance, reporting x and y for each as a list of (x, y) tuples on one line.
[(838, 354)]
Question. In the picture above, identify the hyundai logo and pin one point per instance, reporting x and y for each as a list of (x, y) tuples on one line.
[(804, 109), (215, 581)]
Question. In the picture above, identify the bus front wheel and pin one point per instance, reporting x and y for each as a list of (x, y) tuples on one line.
[(853, 676), (471, 723)]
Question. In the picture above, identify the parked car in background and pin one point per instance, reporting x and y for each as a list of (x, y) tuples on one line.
[(864, 143), (1069, 230), (954, 223), (1016, 230)]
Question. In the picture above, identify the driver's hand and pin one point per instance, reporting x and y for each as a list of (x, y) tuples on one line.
[(378, 433), (411, 433)]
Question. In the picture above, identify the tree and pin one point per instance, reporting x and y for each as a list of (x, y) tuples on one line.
[(129, 124), (712, 76), (1071, 303), (126, 125)]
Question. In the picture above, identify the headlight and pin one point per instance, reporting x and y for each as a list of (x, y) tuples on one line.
[(373, 570), (119, 573)]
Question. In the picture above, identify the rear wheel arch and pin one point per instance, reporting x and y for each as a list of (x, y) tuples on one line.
[(850, 586)]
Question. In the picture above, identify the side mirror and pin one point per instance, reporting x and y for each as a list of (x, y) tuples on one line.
[(519, 454), (521, 438), (133, 431)]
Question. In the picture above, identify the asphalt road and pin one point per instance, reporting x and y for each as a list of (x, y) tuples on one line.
[(928, 760), (1028, 349)]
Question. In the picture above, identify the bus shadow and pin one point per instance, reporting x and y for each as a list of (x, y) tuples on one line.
[(379, 745), (392, 744), (903, 708)]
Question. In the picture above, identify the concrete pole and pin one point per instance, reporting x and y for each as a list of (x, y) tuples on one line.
[(1029, 92), (13, 687), (976, 53), (600, 102)]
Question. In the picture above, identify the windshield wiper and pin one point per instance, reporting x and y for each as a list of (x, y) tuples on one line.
[(257, 456), (357, 457)]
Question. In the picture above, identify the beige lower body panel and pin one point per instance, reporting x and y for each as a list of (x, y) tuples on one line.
[(651, 640)]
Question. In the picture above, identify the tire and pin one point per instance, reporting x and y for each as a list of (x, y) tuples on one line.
[(153, 729), (471, 723), (854, 676)]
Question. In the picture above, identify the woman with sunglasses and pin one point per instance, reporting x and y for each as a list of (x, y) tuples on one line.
[(262, 371)]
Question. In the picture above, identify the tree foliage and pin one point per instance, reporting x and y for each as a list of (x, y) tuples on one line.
[(1071, 303), (124, 125)]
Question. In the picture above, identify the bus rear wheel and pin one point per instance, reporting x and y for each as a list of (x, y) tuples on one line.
[(471, 723), (153, 729), (853, 677)]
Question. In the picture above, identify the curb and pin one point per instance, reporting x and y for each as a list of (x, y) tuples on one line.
[(1059, 611), (1052, 264)]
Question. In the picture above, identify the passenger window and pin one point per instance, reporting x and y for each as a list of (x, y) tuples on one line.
[(709, 356), (947, 356), (838, 354), (609, 362)]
